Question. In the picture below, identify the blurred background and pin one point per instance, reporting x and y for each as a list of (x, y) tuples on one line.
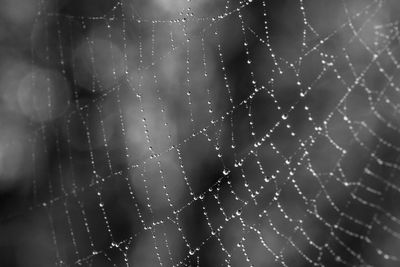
[(187, 133)]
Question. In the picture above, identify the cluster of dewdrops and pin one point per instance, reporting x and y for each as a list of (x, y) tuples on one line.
[(300, 157)]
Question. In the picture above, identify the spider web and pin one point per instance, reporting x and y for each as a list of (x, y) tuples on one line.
[(218, 133)]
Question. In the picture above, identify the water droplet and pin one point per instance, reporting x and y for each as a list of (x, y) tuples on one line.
[(226, 171)]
